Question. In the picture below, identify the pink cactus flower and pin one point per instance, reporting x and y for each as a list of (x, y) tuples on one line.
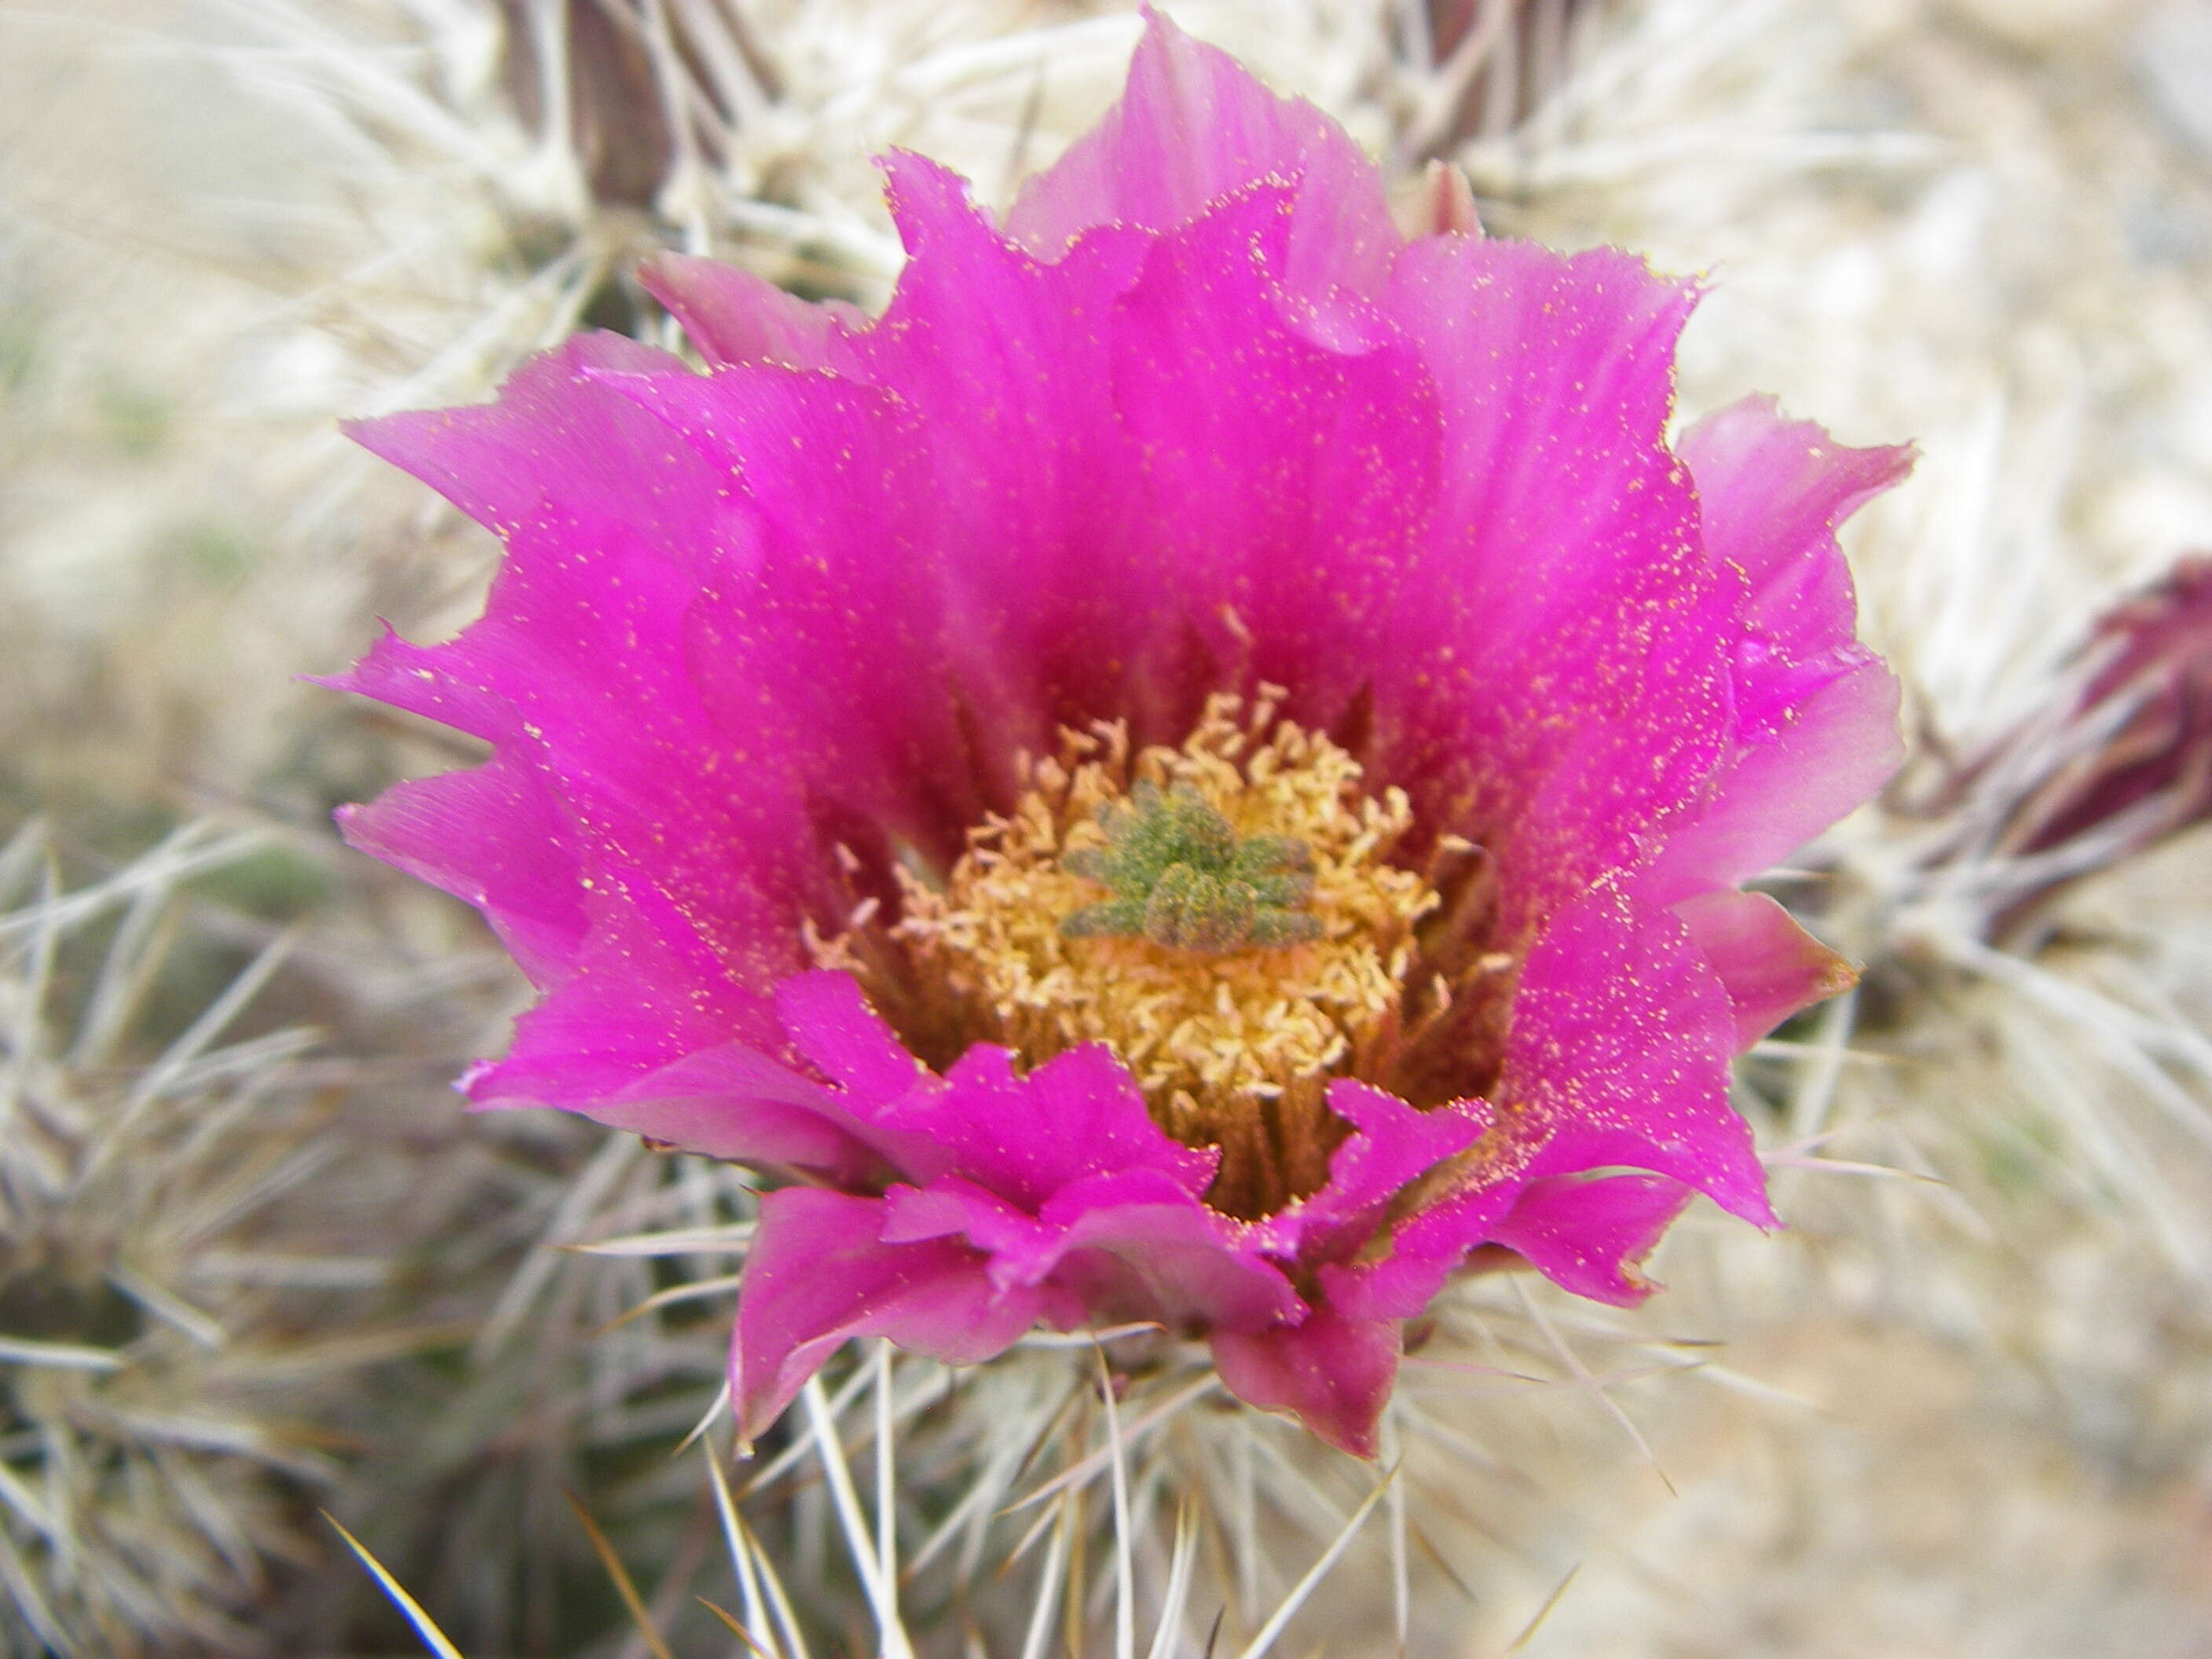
[(1195, 770)]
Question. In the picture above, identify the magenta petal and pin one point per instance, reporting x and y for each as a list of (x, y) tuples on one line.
[(850, 600), (1817, 710), (646, 991), (1772, 967), (728, 1102), (1021, 1250), (1077, 1116), (555, 436), (735, 317), (816, 1277), (602, 1034), (1059, 1174), (578, 673), (1193, 127), (1331, 1373), (1619, 1055), (1557, 673), (1588, 1236), (1308, 468), (495, 836), (1005, 364), (1139, 1248), (1772, 492), (1132, 1245), (1425, 1250), (1834, 751), (1023, 1140), (831, 1021), (654, 913), (439, 682), (1391, 1143)]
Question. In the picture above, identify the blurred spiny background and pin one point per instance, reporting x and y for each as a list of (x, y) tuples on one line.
[(255, 1264)]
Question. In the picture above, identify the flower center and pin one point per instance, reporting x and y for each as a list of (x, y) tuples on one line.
[(1236, 918), (1222, 915)]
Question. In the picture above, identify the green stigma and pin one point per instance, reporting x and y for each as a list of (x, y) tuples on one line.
[(1182, 877)]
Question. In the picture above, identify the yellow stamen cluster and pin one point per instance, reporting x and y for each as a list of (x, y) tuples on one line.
[(1216, 1039)]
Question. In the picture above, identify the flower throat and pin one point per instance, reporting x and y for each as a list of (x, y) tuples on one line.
[(1224, 915)]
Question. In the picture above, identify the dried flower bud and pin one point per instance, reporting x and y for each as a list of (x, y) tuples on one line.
[(2117, 760)]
